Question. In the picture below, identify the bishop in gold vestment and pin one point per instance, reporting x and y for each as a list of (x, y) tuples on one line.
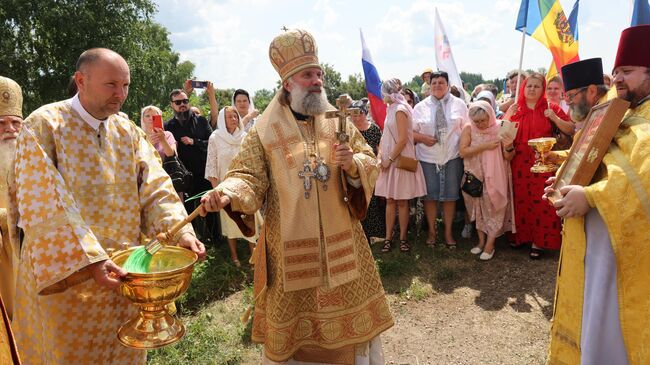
[(318, 295), (84, 186)]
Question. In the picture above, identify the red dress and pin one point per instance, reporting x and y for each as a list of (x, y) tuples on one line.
[(536, 220)]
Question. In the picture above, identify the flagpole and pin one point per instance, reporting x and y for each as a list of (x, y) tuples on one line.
[(521, 60)]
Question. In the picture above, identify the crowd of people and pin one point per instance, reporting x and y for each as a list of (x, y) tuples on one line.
[(81, 179)]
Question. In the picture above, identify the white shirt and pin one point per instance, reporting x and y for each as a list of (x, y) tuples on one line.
[(424, 122), (89, 119)]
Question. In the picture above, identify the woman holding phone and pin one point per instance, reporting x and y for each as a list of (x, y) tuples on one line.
[(151, 122)]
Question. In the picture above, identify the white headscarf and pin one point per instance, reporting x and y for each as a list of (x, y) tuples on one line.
[(222, 131)]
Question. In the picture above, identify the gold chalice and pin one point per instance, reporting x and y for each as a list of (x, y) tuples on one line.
[(169, 276), (542, 146)]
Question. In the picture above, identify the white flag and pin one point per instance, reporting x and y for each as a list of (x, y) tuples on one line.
[(444, 58)]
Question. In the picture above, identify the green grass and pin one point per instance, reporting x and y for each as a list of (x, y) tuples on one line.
[(211, 313), (220, 293), (417, 291)]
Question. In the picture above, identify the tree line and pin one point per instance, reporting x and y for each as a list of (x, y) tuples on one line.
[(40, 41)]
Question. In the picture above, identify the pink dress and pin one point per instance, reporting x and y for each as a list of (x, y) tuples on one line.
[(394, 183), (482, 210)]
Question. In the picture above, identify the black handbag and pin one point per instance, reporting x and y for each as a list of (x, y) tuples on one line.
[(180, 175), (472, 185)]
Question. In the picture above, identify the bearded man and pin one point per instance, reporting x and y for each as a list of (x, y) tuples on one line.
[(11, 119), (602, 300), (323, 301), (584, 90)]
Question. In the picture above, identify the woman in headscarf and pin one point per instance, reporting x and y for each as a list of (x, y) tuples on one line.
[(374, 225), (489, 97), (242, 101), (535, 219), (395, 184), (485, 156), (223, 145)]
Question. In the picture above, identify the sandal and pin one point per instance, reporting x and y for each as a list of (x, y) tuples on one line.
[(386, 247), (451, 245), (535, 253), (431, 243), (404, 246)]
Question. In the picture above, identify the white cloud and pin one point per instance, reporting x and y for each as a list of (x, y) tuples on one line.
[(228, 40), (503, 7)]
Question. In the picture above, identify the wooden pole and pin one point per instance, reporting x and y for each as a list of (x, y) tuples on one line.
[(521, 61)]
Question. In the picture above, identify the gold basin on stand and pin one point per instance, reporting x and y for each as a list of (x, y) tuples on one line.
[(169, 276)]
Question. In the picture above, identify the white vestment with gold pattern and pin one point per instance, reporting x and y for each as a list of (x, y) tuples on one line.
[(83, 186)]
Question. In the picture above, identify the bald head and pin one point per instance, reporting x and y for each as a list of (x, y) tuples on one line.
[(92, 56), (102, 79)]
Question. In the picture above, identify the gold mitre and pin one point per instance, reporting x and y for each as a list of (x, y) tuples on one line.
[(11, 98), (293, 51)]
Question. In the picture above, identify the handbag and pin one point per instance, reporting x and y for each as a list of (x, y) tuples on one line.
[(403, 162), (180, 175), (472, 185), (407, 163)]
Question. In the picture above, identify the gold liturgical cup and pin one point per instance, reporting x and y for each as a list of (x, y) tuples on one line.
[(542, 146), (169, 276)]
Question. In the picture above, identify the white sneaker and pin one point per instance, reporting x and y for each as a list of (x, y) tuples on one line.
[(486, 256), (476, 250), (467, 231)]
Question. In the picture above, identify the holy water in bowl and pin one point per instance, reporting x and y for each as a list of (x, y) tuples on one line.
[(138, 261)]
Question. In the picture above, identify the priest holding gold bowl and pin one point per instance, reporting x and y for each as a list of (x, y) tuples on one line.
[(87, 181)]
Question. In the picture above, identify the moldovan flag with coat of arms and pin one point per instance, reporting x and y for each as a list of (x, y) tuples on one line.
[(545, 21)]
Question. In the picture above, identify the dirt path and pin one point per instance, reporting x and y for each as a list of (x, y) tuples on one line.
[(494, 313), (449, 308)]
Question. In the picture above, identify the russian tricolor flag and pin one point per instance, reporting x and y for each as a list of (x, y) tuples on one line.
[(373, 85)]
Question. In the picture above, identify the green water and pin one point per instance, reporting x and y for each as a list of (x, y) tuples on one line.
[(138, 262)]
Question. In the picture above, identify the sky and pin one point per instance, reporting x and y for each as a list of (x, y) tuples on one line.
[(228, 40)]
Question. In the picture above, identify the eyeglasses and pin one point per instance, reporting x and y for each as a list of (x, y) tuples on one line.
[(180, 101), (569, 97), (439, 74)]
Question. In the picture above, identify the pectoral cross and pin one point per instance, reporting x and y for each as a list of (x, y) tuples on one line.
[(343, 113), (306, 174)]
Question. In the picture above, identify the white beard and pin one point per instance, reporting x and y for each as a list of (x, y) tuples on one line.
[(307, 103), (7, 155)]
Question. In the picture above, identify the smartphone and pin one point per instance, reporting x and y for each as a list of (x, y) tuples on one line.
[(157, 122), (199, 84)]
